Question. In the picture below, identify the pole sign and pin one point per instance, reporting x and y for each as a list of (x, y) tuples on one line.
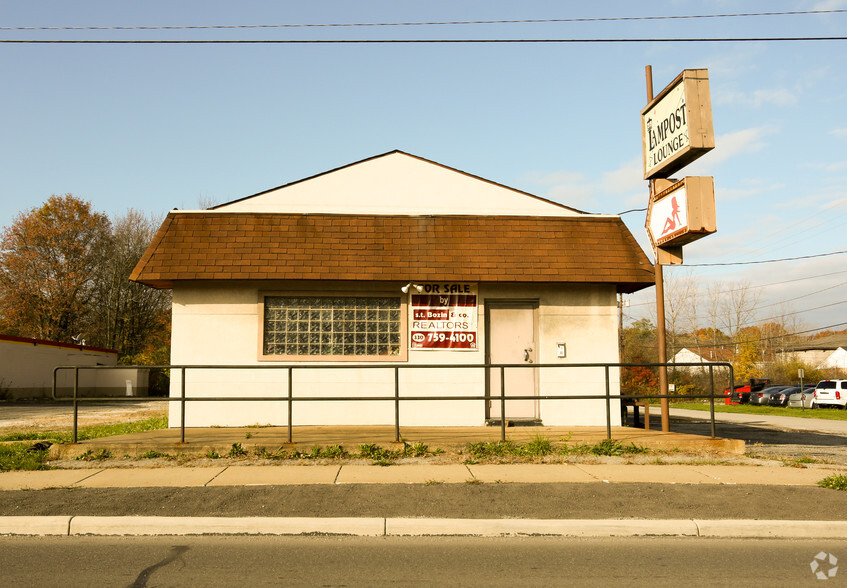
[(444, 316), (682, 213), (676, 126)]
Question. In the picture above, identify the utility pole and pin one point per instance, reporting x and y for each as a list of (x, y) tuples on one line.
[(660, 298)]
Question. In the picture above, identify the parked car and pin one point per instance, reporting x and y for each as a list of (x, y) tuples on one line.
[(740, 394), (803, 398), (762, 397), (831, 393), (781, 398)]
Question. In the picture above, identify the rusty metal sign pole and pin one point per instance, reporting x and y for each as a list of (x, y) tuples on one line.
[(660, 300)]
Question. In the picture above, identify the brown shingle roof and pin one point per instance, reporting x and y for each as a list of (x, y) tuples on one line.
[(274, 246)]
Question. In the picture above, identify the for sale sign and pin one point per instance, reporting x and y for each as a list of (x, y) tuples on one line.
[(444, 316)]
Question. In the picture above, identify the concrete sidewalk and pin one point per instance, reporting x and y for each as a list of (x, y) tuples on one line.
[(275, 475)]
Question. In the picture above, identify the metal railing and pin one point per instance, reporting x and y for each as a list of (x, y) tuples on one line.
[(289, 398)]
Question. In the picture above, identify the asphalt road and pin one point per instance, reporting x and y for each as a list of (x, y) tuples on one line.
[(448, 561)]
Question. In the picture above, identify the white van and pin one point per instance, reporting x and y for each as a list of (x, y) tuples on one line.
[(831, 393)]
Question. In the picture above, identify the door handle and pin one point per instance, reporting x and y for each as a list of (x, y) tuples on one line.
[(526, 353)]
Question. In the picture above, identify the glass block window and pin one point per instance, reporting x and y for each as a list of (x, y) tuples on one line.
[(332, 325)]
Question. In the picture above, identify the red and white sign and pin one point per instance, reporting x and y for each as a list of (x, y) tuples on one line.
[(444, 316), (682, 213)]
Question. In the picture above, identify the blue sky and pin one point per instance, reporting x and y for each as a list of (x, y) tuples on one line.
[(155, 127)]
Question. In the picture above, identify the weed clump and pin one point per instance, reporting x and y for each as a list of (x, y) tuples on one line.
[(834, 482), (237, 451)]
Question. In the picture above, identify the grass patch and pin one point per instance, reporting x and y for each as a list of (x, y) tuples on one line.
[(483, 449), (420, 449), (376, 453), (538, 445), (809, 413), (18, 456), (153, 454), (541, 446), (834, 482), (92, 455), (607, 447), (91, 431)]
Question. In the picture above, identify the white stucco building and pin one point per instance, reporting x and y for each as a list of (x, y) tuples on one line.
[(393, 261)]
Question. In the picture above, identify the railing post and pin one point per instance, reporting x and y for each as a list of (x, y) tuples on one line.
[(502, 403), (396, 404), (76, 402), (608, 406), (712, 398), (182, 405), (290, 402)]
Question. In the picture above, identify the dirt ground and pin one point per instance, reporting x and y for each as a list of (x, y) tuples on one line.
[(514, 500), (16, 416)]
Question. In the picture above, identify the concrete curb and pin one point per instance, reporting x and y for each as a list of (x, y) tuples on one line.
[(362, 527), (395, 527), (555, 527)]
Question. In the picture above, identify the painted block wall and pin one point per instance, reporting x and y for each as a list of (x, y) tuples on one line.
[(220, 324)]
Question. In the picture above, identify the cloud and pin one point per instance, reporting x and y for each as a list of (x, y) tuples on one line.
[(747, 189), (841, 132), (575, 189), (759, 98), (830, 5), (829, 167), (729, 146)]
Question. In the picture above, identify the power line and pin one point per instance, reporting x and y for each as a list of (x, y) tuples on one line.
[(759, 340), (701, 295), (433, 23), (764, 260), (407, 41)]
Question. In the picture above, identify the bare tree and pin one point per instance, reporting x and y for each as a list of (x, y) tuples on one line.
[(129, 316), (738, 307), (680, 291)]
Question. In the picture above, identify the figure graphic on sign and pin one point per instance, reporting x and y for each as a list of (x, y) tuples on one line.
[(673, 220)]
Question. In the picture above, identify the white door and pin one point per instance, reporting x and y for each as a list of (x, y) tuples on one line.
[(511, 339)]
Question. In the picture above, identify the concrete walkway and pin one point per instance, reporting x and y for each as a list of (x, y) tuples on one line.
[(258, 475)]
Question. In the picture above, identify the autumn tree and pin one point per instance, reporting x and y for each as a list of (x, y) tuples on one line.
[(747, 359), (49, 259), (639, 346)]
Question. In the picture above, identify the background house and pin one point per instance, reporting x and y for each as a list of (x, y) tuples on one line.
[(394, 260), (687, 356), (26, 370), (823, 353)]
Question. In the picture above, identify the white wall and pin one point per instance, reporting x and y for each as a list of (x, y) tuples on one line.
[(220, 325), (397, 183)]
